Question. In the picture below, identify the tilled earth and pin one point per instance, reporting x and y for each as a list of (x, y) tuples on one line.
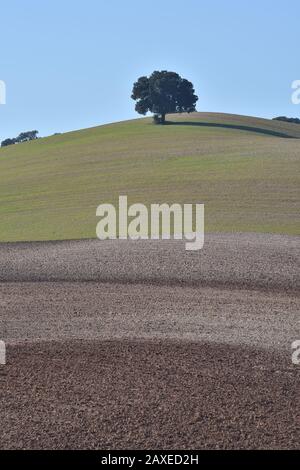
[(142, 345)]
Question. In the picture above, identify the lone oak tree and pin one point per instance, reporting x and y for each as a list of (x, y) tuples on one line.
[(163, 93)]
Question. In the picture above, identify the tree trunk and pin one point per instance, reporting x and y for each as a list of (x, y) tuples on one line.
[(163, 118)]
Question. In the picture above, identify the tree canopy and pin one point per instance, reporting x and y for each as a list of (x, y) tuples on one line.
[(163, 93), (7, 142)]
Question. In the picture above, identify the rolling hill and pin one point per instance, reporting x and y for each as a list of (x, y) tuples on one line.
[(244, 169)]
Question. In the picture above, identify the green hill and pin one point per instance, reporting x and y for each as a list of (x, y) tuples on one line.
[(245, 170)]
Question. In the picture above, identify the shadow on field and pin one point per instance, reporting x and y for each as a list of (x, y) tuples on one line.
[(232, 126)]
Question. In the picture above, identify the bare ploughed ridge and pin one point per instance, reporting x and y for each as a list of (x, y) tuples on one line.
[(240, 289), (248, 260)]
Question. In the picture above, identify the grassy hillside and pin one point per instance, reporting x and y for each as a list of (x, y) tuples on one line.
[(245, 170)]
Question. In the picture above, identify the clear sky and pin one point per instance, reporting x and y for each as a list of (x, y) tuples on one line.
[(70, 64)]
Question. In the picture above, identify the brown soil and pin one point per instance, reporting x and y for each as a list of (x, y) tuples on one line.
[(130, 345)]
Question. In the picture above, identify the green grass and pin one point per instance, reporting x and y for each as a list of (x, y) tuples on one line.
[(247, 176)]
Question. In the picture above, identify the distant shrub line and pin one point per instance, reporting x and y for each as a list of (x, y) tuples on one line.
[(23, 137), (286, 119)]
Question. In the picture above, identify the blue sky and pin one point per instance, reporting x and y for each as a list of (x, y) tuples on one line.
[(70, 64)]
